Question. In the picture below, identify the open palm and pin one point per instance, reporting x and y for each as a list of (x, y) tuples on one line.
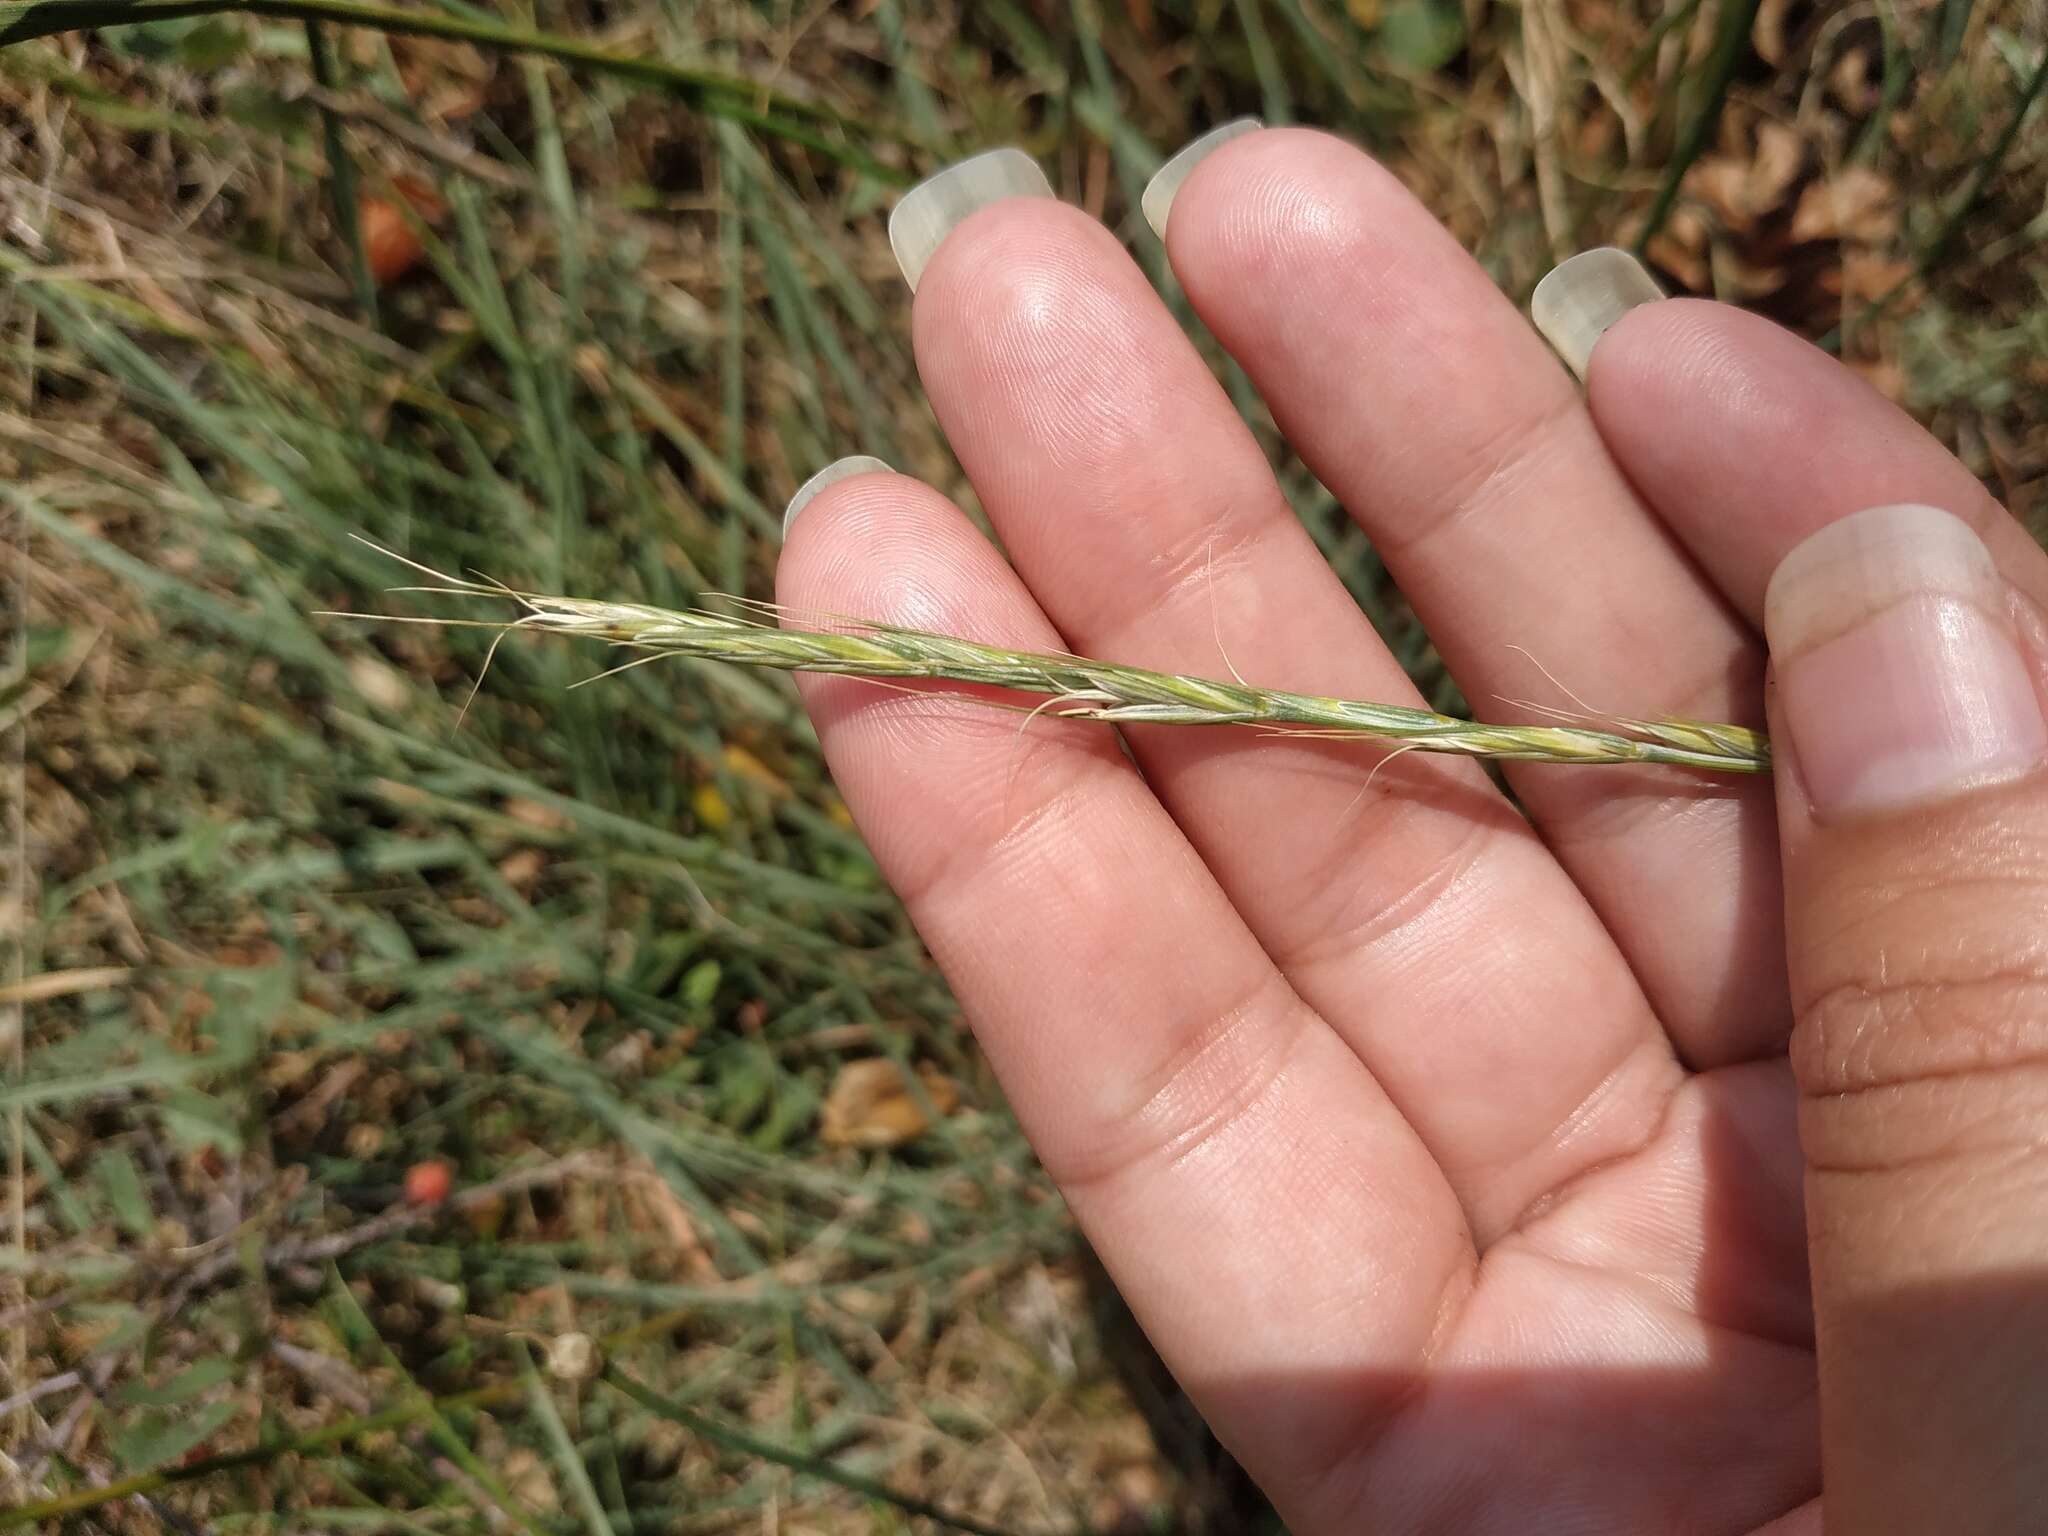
[(1447, 1153)]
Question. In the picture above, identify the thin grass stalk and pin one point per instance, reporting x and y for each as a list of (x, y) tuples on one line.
[(415, 1406), (418, 1405), (1731, 42), (1954, 25), (1076, 687), (1838, 339), (769, 111), (341, 177), (731, 1439)]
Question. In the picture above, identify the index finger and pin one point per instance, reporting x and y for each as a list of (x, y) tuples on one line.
[(1191, 1107)]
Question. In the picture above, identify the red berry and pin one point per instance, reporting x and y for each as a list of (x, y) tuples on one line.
[(428, 1183)]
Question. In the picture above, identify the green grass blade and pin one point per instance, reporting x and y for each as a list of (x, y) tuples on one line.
[(1987, 168), (715, 94), (538, 1398), (1731, 41), (341, 171), (813, 1466)]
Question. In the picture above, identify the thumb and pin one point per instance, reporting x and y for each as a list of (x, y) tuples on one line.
[(1913, 806)]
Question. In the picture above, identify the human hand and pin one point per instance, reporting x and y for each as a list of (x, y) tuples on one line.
[(1453, 1160)]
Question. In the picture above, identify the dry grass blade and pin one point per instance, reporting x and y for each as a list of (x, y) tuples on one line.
[(1076, 687)]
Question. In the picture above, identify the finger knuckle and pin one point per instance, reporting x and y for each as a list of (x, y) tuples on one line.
[(1889, 1029), (1923, 956), (1212, 1079)]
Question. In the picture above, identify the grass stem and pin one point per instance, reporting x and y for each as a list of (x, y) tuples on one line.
[(731, 1439), (341, 173), (717, 95)]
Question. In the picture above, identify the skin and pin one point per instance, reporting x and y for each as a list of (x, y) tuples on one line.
[(1451, 1158)]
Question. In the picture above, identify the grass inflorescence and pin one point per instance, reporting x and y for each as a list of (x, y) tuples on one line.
[(1078, 688)]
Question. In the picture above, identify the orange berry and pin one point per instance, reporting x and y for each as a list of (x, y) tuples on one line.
[(428, 1183), (388, 241)]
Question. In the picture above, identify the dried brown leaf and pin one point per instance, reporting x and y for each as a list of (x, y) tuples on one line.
[(1866, 276), (1883, 375), (1767, 32), (1721, 182), (534, 814), (871, 1104), (1682, 258), (1856, 204), (1780, 155)]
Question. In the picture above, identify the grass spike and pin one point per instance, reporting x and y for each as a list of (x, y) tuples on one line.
[(1085, 689)]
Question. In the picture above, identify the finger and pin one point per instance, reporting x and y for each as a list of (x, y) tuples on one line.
[(1426, 403), (1911, 679), (1414, 911), (1803, 1521), (1187, 1102), (1745, 439)]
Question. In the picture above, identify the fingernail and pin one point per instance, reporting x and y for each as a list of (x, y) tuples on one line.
[(933, 208), (1157, 200), (831, 474), (1582, 297), (1898, 668)]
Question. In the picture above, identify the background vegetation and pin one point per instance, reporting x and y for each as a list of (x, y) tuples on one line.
[(291, 945)]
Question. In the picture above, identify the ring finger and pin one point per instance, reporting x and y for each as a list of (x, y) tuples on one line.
[(1418, 395)]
